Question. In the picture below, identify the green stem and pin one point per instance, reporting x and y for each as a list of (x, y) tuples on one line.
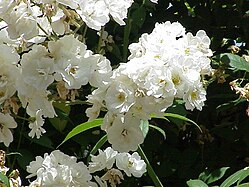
[(79, 27), (20, 117), (244, 77), (97, 146), (76, 102), (100, 40), (40, 27), (19, 142), (7, 158), (127, 31), (150, 170), (84, 32)]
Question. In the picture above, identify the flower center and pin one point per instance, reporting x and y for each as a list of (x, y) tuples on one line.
[(124, 133), (73, 70), (121, 97), (194, 95), (176, 79), (187, 51), (157, 57), (2, 94), (3, 80), (41, 72), (130, 163)]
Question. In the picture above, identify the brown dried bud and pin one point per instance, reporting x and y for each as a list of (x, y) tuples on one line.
[(234, 49), (2, 158)]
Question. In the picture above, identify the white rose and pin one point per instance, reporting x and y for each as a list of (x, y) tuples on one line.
[(131, 164)]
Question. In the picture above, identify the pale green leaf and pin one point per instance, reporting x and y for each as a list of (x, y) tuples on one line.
[(144, 126), (237, 176), (196, 183), (243, 185), (13, 153), (83, 127), (159, 130), (213, 176), (235, 61), (159, 117), (4, 179), (177, 116), (97, 146), (243, 175)]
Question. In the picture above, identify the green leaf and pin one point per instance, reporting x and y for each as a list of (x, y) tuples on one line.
[(150, 170), (177, 108), (4, 179), (208, 177), (177, 116), (159, 130), (196, 183), (62, 113), (138, 16), (243, 185), (62, 110), (25, 158), (116, 51), (43, 141), (237, 176), (191, 10), (159, 117), (97, 146), (144, 126), (13, 153), (235, 61), (226, 106), (81, 128), (243, 175)]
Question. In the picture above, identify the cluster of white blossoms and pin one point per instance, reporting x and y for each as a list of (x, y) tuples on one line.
[(8, 70), (28, 19), (43, 60), (132, 165), (164, 65), (59, 169), (30, 63), (65, 61)]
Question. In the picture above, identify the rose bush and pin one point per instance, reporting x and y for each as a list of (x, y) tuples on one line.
[(70, 67)]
